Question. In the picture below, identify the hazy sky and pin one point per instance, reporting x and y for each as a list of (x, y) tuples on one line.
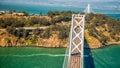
[(57, 1)]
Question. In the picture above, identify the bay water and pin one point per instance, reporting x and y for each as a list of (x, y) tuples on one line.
[(37, 9), (38, 57)]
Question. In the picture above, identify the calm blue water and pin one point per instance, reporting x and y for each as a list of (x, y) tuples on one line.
[(36, 9)]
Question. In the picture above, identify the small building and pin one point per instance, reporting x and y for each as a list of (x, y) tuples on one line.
[(19, 14), (2, 12)]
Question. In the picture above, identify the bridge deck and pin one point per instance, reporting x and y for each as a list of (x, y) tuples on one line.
[(75, 51), (75, 62)]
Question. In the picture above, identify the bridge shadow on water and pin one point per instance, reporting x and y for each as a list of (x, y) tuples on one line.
[(88, 59)]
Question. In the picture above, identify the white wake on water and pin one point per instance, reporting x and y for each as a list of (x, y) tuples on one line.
[(30, 55)]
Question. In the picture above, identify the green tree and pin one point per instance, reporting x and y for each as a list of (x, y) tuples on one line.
[(26, 13), (46, 33), (50, 14), (64, 32), (44, 21)]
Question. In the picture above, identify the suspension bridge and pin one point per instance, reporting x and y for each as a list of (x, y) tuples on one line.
[(74, 52)]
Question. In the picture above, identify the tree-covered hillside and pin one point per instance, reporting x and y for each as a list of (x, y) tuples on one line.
[(104, 28), (99, 29)]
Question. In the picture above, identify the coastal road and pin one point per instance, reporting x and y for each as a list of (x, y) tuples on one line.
[(29, 28)]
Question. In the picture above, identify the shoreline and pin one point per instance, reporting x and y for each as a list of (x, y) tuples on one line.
[(104, 46)]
